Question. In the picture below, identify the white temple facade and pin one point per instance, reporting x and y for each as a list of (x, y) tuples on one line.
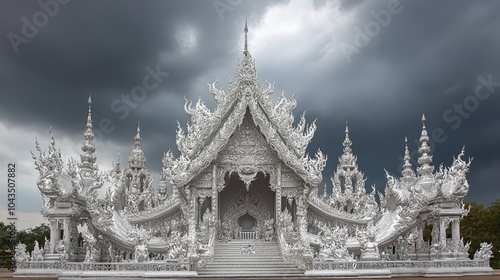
[(244, 189)]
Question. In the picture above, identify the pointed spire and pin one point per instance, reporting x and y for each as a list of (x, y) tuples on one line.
[(88, 148), (425, 159), (245, 51), (245, 76), (347, 142), (137, 160), (407, 172), (89, 116), (347, 159), (137, 138)]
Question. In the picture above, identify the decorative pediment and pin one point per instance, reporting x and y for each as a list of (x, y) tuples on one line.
[(209, 132)]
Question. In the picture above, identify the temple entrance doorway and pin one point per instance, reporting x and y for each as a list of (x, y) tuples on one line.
[(245, 205), (247, 222)]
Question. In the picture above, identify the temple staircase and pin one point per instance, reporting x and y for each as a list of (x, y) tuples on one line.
[(230, 261)]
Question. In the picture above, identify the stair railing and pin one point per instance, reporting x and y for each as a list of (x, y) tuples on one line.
[(246, 235)]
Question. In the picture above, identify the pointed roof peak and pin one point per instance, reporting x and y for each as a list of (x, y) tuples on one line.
[(424, 120), (89, 115), (137, 137), (245, 50), (347, 141), (89, 133)]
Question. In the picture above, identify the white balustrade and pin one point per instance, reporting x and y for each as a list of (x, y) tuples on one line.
[(247, 235)]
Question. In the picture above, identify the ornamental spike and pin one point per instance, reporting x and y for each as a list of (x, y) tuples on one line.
[(137, 138), (347, 141), (407, 172), (347, 159), (88, 147), (425, 159), (245, 50), (137, 159)]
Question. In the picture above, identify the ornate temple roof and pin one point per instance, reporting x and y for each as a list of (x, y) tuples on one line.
[(209, 131)]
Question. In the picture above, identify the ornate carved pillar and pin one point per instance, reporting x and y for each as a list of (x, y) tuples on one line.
[(455, 232), (55, 234), (443, 223), (215, 193), (200, 198), (192, 217), (420, 235), (435, 234), (290, 206), (300, 202), (73, 232), (278, 192), (67, 234)]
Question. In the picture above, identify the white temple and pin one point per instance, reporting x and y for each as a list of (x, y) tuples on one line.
[(245, 202)]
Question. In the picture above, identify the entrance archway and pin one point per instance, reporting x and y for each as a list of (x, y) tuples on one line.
[(244, 208), (247, 222)]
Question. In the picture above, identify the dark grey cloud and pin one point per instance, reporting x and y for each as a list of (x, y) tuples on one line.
[(427, 59)]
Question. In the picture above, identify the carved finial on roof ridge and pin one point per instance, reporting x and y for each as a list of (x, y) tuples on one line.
[(245, 51)]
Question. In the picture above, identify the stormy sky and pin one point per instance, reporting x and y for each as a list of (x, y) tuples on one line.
[(376, 64)]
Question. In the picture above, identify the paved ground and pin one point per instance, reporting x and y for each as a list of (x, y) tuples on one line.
[(6, 274)]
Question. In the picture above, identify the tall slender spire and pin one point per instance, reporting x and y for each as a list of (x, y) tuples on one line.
[(407, 172), (347, 141), (137, 160), (245, 51), (88, 148), (425, 159), (137, 138), (347, 159)]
